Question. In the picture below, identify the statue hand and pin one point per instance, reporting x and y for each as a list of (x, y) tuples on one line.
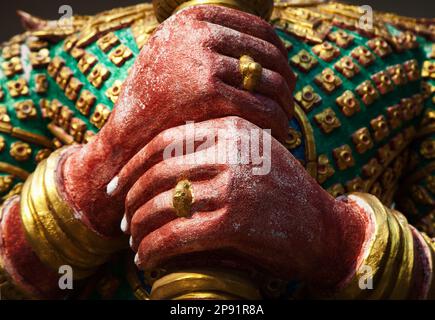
[(189, 71), (281, 220)]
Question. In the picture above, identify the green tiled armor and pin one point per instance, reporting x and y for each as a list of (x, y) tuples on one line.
[(364, 118)]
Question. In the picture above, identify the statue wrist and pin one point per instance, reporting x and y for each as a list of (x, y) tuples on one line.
[(390, 257)]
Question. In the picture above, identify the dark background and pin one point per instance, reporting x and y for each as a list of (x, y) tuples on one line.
[(10, 25)]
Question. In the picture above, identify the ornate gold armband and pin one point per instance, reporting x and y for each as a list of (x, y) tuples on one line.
[(204, 284), (53, 229), (389, 256)]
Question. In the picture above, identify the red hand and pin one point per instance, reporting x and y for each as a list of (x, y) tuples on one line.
[(283, 220), (189, 71)]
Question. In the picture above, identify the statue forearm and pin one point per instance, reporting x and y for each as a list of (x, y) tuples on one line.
[(41, 232), (397, 259)]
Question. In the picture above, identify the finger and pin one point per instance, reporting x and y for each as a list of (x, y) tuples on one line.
[(154, 152), (235, 44), (256, 108), (239, 21), (163, 177), (160, 210), (203, 232), (271, 84)]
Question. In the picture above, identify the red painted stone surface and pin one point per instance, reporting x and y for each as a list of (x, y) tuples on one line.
[(187, 72)]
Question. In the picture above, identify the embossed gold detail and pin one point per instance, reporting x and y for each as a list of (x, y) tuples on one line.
[(394, 116), (54, 66), (182, 198), (343, 157), (41, 83), (380, 128), (347, 67), (348, 103), (204, 284), (42, 155), (412, 70), (362, 140), (20, 151), (308, 98), (73, 88), (324, 169), (25, 110), (304, 61), (372, 169), (77, 129), (380, 47), (341, 38), (328, 81), (427, 148), (363, 55), (397, 74), (251, 72), (428, 70), (11, 51), (62, 78), (14, 171), (12, 67), (308, 135), (85, 102), (98, 76), (120, 55), (113, 92), (86, 62), (40, 59), (5, 183), (355, 185), (100, 116), (327, 120), (383, 82), (367, 92), (326, 51), (294, 139), (107, 42), (18, 88)]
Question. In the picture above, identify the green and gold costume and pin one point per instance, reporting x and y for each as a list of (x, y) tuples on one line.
[(363, 122)]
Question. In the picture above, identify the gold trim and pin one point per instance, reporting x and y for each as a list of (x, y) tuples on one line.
[(372, 180), (310, 144), (132, 278), (53, 230), (197, 283), (406, 264), (26, 135), (251, 72), (13, 170)]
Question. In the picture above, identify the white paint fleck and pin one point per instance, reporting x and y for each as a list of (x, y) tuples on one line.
[(124, 224), (236, 226), (111, 187)]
